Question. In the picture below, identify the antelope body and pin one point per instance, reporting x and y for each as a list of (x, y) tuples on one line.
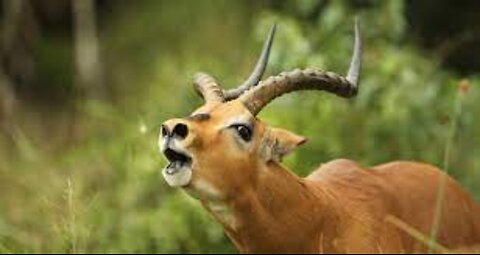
[(230, 160)]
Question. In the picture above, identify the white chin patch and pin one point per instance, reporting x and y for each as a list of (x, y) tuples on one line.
[(177, 175)]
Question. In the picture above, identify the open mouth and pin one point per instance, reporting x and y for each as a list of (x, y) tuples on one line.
[(177, 161)]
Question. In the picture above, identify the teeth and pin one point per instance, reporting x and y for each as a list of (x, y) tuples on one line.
[(174, 167), (171, 170), (176, 175)]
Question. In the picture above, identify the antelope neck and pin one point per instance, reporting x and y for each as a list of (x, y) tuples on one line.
[(271, 214)]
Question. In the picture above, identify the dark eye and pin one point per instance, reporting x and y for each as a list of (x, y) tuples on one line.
[(245, 132)]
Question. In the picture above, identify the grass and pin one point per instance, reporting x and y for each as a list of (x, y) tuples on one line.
[(462, 91), (101, 191), (72, 230), (431, 240), (419, 236)]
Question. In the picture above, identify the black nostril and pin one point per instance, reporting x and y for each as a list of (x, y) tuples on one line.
[(164, 131), (180, 130)]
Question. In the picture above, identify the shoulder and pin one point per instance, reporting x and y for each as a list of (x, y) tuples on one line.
[(335, 167), (408, 168)]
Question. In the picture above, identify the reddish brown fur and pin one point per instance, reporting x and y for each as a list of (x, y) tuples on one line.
[(339, 208), (230, 161)]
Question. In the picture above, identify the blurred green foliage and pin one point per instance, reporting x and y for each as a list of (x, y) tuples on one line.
[(102, 192)]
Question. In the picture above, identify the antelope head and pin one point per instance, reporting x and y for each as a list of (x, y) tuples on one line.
[(222, 146)]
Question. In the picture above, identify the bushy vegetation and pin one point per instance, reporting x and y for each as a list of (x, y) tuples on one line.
[(84, 176)]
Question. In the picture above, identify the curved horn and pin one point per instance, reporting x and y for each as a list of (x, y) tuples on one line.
[(257, 72), (353, 74), (308, 79), (207, 87)]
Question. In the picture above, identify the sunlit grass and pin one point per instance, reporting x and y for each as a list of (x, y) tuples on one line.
[(462, 90), (419, 236)]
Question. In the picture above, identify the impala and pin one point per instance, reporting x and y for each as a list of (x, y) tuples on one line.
[(228, 159)]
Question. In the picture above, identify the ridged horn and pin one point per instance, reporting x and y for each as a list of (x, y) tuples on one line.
[(207, 87), (308, 79), (257, 72)]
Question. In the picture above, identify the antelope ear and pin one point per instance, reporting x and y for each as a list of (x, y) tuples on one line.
[(280, 142)]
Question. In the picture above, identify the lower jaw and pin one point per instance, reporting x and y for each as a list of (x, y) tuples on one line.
[(203, 190), (179, 177)]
